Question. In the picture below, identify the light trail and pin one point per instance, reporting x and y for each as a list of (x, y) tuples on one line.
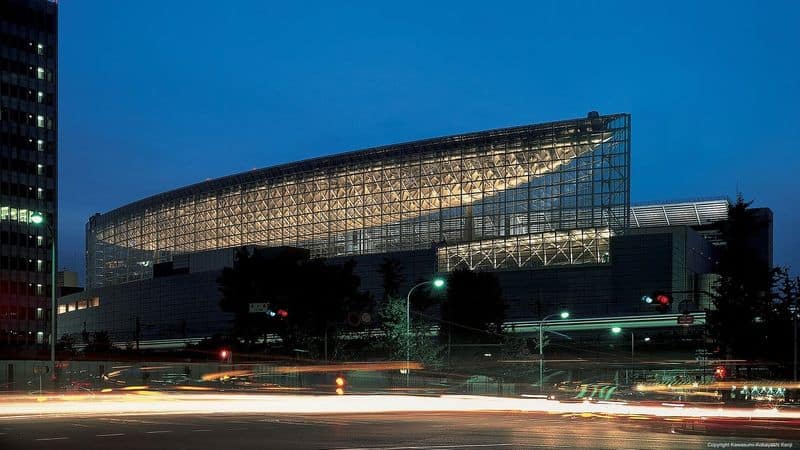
[(391, 365), (137, 403), (225, 375), (719, 385)]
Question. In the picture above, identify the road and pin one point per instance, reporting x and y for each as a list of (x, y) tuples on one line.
[(404, 430)]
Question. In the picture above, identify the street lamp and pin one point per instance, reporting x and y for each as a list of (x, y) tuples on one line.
[(37, 219), (438, 283), (563, 315), (618, 330), (794, 310)]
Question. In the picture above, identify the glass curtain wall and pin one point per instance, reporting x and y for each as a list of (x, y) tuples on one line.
[(453, 193)]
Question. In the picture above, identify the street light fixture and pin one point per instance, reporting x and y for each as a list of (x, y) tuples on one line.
[(618, 330), (438, 283), (37, 219), (563, 315)]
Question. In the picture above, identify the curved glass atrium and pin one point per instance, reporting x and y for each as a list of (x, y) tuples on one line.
[(518, 197)]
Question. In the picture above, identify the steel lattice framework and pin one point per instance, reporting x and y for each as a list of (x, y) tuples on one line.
[(540, 186)]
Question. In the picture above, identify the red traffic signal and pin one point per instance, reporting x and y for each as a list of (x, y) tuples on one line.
[(720, 372), (662, 300), (225, 355), (283, 313)]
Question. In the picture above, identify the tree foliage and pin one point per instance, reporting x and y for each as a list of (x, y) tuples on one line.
[(66, 344), (419, 339), (746, 314), (474, 309), (391, 277), (779, 320), (99, 342), (316, 295)]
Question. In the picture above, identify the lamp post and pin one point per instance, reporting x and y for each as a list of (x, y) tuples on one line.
[(563, 315), (632, 338), (38, 219), (618, 330), (437, 283), (795, 312), (794, 322)]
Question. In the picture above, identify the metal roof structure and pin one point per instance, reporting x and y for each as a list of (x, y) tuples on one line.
[(518, 187), (694, 213)]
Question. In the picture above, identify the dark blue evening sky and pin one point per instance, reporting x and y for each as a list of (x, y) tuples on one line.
[(155, 95)]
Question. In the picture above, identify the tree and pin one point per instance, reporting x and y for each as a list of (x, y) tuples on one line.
[(316, 296), (521, 350), (245, 283), (474, 309), (100, 342), (66, 344), (391, 276), (738, 322), (779, 319), (422, 347)]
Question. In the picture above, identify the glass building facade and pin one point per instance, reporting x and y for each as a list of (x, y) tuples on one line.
[(28, 159), (519, 197)]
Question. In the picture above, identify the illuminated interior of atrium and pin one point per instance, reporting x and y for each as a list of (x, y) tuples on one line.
[(519, 197)]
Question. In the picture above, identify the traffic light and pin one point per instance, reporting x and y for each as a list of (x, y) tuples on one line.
[(340, 385), (661, 299), (225, 355), (282, 313), (720, 372)]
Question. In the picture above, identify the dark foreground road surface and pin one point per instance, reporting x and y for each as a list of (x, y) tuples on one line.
[(386, 431)]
